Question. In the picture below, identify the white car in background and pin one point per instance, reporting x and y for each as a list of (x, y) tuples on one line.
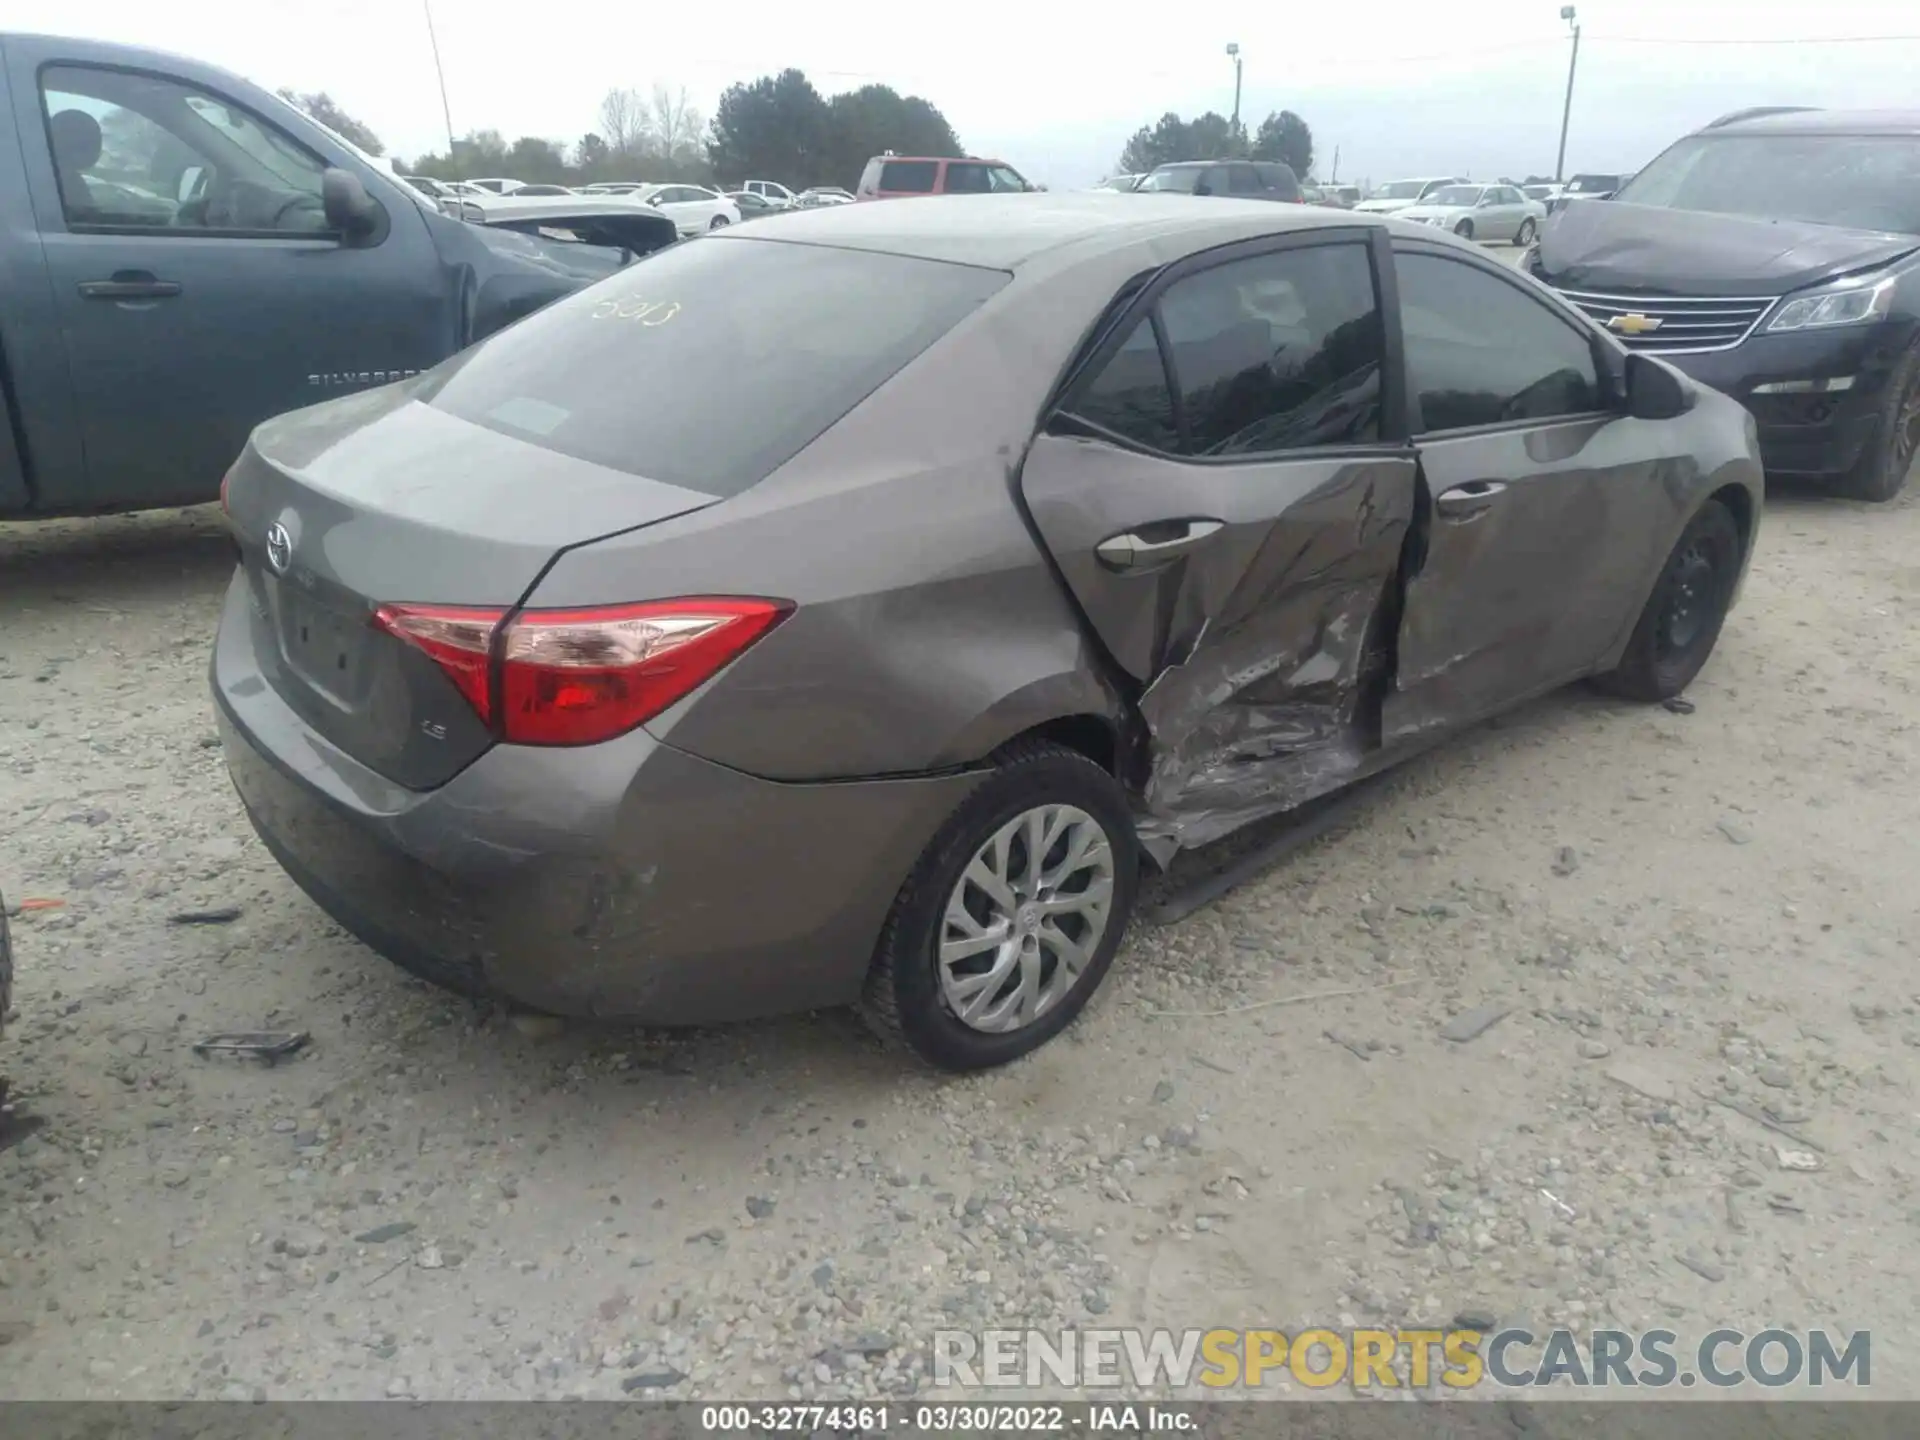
[(777, 196), (815, 196), (693, 208), (1396, 195), (1480, 212), (497, 185)]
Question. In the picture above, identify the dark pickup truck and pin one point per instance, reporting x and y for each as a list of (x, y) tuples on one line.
[(184, 254)]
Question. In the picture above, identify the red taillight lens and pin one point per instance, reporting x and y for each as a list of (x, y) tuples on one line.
[(455, 637), (577, 677)]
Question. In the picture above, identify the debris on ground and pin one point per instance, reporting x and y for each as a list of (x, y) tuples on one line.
[(225, 915), (267, 1046)]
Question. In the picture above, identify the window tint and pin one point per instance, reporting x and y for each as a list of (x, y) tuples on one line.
[(709, 365), (1277, 351), (1244, 180), (967, 179), (1130, 396), (136, 151), (915, 176), (1482, 352), (1280, 180), (1003, 179)]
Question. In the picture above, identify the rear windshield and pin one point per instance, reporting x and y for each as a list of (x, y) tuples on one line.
[(913, 176), (713, 362), (1593, 184), (1862, 182)]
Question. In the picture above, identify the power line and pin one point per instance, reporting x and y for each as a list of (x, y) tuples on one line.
[(1731, 40)]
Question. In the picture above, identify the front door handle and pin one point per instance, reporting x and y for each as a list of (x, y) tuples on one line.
[(130, 285), (1465, 501), (1154, 544)]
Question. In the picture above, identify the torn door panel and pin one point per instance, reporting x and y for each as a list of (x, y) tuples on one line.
[(1278, 701)]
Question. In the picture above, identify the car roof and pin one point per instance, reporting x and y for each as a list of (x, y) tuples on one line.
[(1004, 232), (1823, 122), (967, 159)]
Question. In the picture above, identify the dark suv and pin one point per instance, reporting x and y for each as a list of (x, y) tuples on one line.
[(1244, 179), (1774, 255)]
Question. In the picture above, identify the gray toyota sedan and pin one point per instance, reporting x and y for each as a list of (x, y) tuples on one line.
[(844, 608)]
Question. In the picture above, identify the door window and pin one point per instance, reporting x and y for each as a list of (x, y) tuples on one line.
[(141, 152), (1131, 396), (1480, 351), (908, 176), (1273, 353), (1277, 351)]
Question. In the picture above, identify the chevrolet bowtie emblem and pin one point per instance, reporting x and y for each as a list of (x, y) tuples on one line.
[(1634, 324)]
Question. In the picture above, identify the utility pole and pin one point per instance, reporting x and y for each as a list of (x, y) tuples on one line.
[(446, 110), (1335, 176), (1233, 53), (1566, 111)]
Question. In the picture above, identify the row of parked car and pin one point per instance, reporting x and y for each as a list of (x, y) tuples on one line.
[(1502, 211), (692, 208)]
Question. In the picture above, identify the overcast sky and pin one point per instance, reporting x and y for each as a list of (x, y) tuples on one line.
[(1472, 87)]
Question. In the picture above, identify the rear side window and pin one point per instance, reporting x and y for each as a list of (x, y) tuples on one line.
[(913, 176), (709, 365), (1270, 354)]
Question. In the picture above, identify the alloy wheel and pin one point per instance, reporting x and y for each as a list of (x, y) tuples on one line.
[(1026, 918)]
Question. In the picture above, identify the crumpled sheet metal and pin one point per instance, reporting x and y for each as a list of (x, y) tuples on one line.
[(1260, 719)]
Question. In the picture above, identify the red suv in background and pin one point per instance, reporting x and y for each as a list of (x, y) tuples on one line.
[(890, 176)]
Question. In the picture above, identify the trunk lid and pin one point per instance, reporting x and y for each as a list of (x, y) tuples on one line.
[(1618, 248), (376, 498)]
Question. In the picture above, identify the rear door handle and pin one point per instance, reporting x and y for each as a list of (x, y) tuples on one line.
[(130, 285), (1463, 501), (1154, 544)]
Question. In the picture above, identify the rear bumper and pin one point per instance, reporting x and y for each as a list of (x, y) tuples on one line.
[(628, 879), (1811, 435)]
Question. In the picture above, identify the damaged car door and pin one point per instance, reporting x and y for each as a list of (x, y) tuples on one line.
[(1225, 487), (1543, 507)]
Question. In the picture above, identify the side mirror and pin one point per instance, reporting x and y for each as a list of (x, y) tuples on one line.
[(1653, 391), (349, 208)]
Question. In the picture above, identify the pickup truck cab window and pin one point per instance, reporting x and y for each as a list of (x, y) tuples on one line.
[(142, 152)]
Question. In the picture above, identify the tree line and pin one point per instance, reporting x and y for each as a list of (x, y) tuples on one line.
[(1282, 136), (778, 127)]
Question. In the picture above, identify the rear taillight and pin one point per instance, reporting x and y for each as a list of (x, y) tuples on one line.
[(577, 677)]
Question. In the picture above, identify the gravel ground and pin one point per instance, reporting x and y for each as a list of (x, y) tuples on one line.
[(1680, 921)]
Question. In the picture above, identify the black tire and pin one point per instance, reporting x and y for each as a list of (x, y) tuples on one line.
[(1881, 472), (903, 1000), (1464, 229), (1523, 237), (719, 222), (1682, 619)]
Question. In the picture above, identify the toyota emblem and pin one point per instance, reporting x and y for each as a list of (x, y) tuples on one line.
[(279, 548)]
